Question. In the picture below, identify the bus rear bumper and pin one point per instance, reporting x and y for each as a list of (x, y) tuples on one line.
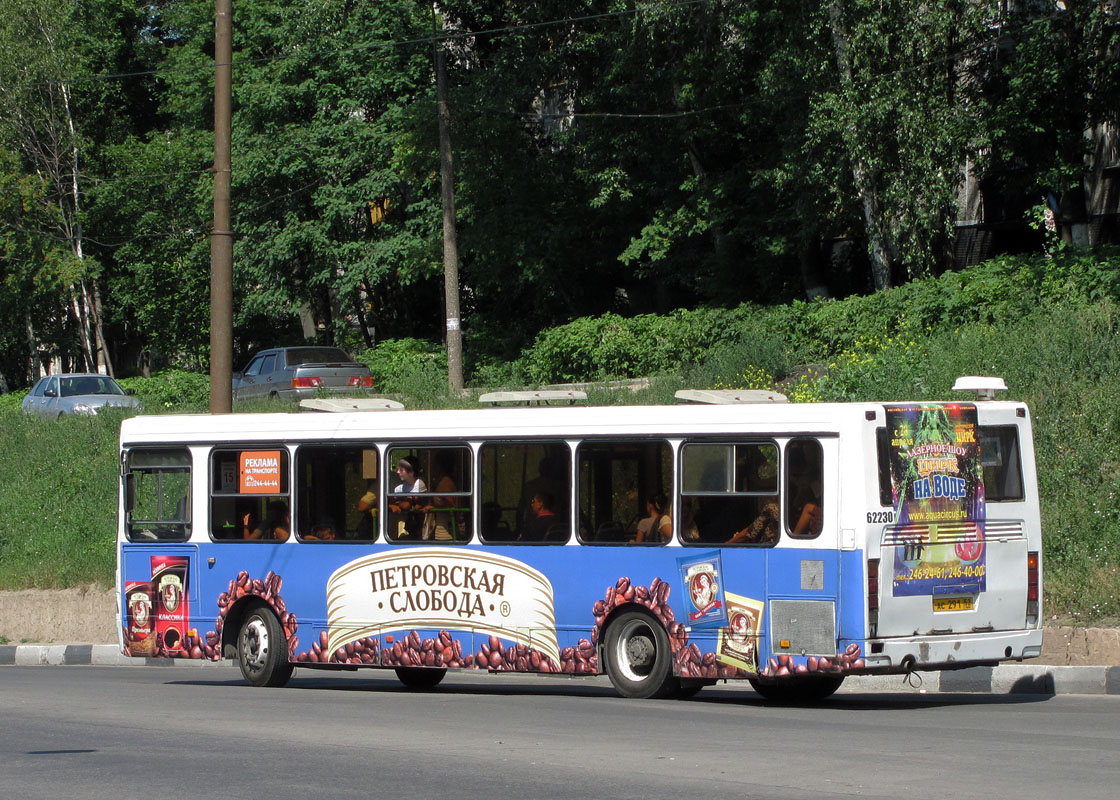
[(955, 651)]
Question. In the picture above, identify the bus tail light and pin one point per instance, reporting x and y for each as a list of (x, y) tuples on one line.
[(873, 597), (364, 383), (1032, 586), (306, 383)]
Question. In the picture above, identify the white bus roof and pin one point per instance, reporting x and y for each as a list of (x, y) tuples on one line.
[(513, 422)]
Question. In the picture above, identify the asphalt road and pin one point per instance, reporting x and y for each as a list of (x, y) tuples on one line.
[(176, 732)]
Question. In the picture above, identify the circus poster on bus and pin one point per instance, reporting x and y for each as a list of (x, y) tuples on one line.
[(937, 487)]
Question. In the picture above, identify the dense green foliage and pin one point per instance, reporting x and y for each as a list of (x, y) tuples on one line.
[(1049, 326), (611, 157)]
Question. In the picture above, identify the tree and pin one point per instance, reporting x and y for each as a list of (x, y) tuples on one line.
[(905, 113), (56, 110), (34, 266), (1055, 88)]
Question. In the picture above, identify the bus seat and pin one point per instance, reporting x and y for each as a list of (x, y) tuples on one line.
[(610, 531)]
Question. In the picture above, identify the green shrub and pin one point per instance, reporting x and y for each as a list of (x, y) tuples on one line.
[(171, 390), (501, 375), (395, 363), (611, 346), (759, 360)]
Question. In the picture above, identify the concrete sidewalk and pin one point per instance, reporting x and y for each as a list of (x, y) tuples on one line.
[(1015, 678)]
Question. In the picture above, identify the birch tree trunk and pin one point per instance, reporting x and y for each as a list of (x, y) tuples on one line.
[(878, 236)]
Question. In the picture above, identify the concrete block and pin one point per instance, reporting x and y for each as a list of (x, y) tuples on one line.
[(31, 655), (1079, 680), (1023, 679)]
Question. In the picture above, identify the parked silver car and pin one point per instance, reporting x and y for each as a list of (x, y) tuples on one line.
[(299, 372), (82, 393)]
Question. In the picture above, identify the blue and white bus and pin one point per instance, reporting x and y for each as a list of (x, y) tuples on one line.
[(667, 547)]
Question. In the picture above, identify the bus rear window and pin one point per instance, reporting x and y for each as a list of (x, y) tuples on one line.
[(999, 457)]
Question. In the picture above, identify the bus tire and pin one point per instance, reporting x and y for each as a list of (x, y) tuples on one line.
[(262, 651), (638, 658), (420, 677), (798, 690)]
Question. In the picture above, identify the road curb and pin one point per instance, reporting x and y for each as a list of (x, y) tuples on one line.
[(1005, 679)]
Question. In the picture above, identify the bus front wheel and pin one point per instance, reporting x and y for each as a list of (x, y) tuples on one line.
[(420, 677), (639, 660), (262, 652)]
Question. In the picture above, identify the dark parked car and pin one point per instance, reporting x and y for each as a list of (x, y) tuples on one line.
[(299, 372), (86, 393)]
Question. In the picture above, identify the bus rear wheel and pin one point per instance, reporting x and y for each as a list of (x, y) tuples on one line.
[(639, 660), (420, 677), (798, 690), (262, 651)]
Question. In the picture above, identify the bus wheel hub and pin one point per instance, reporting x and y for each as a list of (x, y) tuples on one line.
[(639, 651)]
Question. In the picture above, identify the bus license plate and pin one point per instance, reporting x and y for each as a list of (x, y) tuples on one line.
[(952, 604)]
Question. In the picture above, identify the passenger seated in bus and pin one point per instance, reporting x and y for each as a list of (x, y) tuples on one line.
[(550, 479), (805, 510), (810, 521), (410, 482), (763, 529), (541, 518), (277, 526), (657, 525), (323, 532), (409, 516)]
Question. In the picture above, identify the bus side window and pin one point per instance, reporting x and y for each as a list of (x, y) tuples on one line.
[(526, 491), (729, 493), (158, 484), (430, 495), (882, 448), (804, 488), (249, 494), (616, 483), (337, 492)]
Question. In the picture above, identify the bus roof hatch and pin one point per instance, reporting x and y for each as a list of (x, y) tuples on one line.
[(729, 396), (985, 387), (350, 404), (538, 396)]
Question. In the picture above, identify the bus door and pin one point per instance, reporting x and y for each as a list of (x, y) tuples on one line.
[(806, 609), (953, 558), (157, 565)]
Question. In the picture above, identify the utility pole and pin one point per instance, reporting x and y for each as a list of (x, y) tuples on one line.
[(450, 244), (221, 237)]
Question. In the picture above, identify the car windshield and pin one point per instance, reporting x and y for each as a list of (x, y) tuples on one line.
[(88, 384), (314, 355)]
